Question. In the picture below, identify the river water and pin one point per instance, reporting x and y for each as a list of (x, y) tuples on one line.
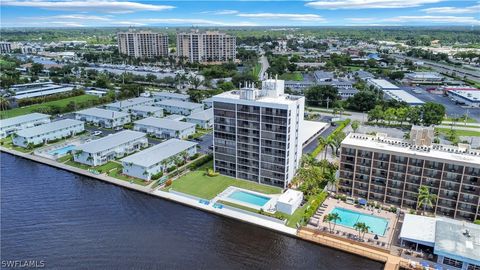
[(68, 221)]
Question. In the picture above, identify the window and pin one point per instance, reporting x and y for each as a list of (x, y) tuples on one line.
[(452, 262)]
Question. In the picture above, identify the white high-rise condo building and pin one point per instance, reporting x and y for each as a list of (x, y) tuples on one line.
[(256, 133), (143, 44), (210, 46)]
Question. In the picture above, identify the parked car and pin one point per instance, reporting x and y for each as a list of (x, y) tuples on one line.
[(97, 133)]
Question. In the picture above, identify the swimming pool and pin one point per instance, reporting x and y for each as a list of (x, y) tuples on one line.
[(62, 151), (249, 198), (377, 225)]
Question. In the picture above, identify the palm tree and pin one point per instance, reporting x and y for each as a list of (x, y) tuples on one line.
[(78, 153), (4, 104), (332, 180), (425, 198), (332, 217), (362, 228)]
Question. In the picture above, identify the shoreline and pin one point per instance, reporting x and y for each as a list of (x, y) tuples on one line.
[(389, 260)]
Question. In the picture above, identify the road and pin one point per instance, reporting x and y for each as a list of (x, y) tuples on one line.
[(443, 68)]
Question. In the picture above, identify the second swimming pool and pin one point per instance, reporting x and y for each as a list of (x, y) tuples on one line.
[(62, 151), (377, 225), (248, 197)]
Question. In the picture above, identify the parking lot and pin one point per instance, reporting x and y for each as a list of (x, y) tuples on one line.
[(452, 109)]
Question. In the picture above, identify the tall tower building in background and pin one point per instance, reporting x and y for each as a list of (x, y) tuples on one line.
[(256, 133), (143, 44), (210, 46)]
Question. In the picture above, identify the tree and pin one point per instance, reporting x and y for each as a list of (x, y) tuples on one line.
[(355, 125), (226, 86), (362, 228), (332, 217), (413, 115), (376, 114), (321, 95), (36, 68), (389, 115), (362, 101), (432, 113), (331, 179), (4, 104), (425, 198)]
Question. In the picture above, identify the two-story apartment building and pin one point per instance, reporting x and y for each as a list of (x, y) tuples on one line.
[(103, 118), (47, 132), (164, 128), (11, 125)]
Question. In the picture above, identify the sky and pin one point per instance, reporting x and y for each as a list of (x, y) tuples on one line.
[(218, 13)]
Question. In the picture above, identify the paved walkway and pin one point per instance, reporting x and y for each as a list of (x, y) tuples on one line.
[(465, 128), (392, 262), (461, 123)]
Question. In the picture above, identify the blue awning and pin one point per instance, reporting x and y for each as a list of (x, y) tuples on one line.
[(362, 201)]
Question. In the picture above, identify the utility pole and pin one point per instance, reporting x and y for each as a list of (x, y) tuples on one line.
[(328, 102)]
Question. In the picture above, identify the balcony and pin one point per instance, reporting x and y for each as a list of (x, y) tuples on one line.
[(469, 198)]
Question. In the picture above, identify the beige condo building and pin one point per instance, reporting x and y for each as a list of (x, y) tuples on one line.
[(143, 44), (210, 46), (391, 170)]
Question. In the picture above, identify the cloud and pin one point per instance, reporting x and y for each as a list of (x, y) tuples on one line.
[(105, 6), (73, 17), (179, 21), (221, 12), (434, 19), (284, 16), (453, 10), (363, 4)]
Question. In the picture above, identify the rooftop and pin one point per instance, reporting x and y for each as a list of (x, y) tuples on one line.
[(472, 95), (159, 152), (110, 141), (458, 239), (455, 239), (178, 103), (402, 95), (130, 102), (384, 84), (309, 129), (102, 113), (22, 119), (323, 75), (145, 108), (164, 123), (290, 196), (49, 127), (171, 95), (202, 115), (440, 152)]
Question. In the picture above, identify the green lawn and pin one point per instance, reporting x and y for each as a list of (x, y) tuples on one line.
[(292, 76), (7, 143), (469, 120), (460, 132), (102, 168), (196, 183), (32, 108), (118, 174), (65, 158)]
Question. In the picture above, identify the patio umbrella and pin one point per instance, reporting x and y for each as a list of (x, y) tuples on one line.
[(362, 201)]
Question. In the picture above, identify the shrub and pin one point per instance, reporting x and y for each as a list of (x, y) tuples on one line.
[(157, 176), (168, 183), (171, 169), (212, 173), (199, 162)]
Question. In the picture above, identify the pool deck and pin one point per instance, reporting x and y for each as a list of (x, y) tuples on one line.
[(269, 206), (333, 203)]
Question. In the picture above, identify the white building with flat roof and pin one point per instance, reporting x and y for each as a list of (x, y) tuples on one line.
[(125, 105), (169, 96), (32, 90), (403, 96), (202, 119), (157, 159), (164, 128), (257, 133), (289, 201), (382, 85), (11, 125), (47, 132), (456, 244), (424, 77), (179, 107), (470, 97), (208, 103), (143, 111), (100, 151), (103, 118)]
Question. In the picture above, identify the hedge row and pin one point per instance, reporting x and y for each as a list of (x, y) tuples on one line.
[(320, 147), (199, 162)]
